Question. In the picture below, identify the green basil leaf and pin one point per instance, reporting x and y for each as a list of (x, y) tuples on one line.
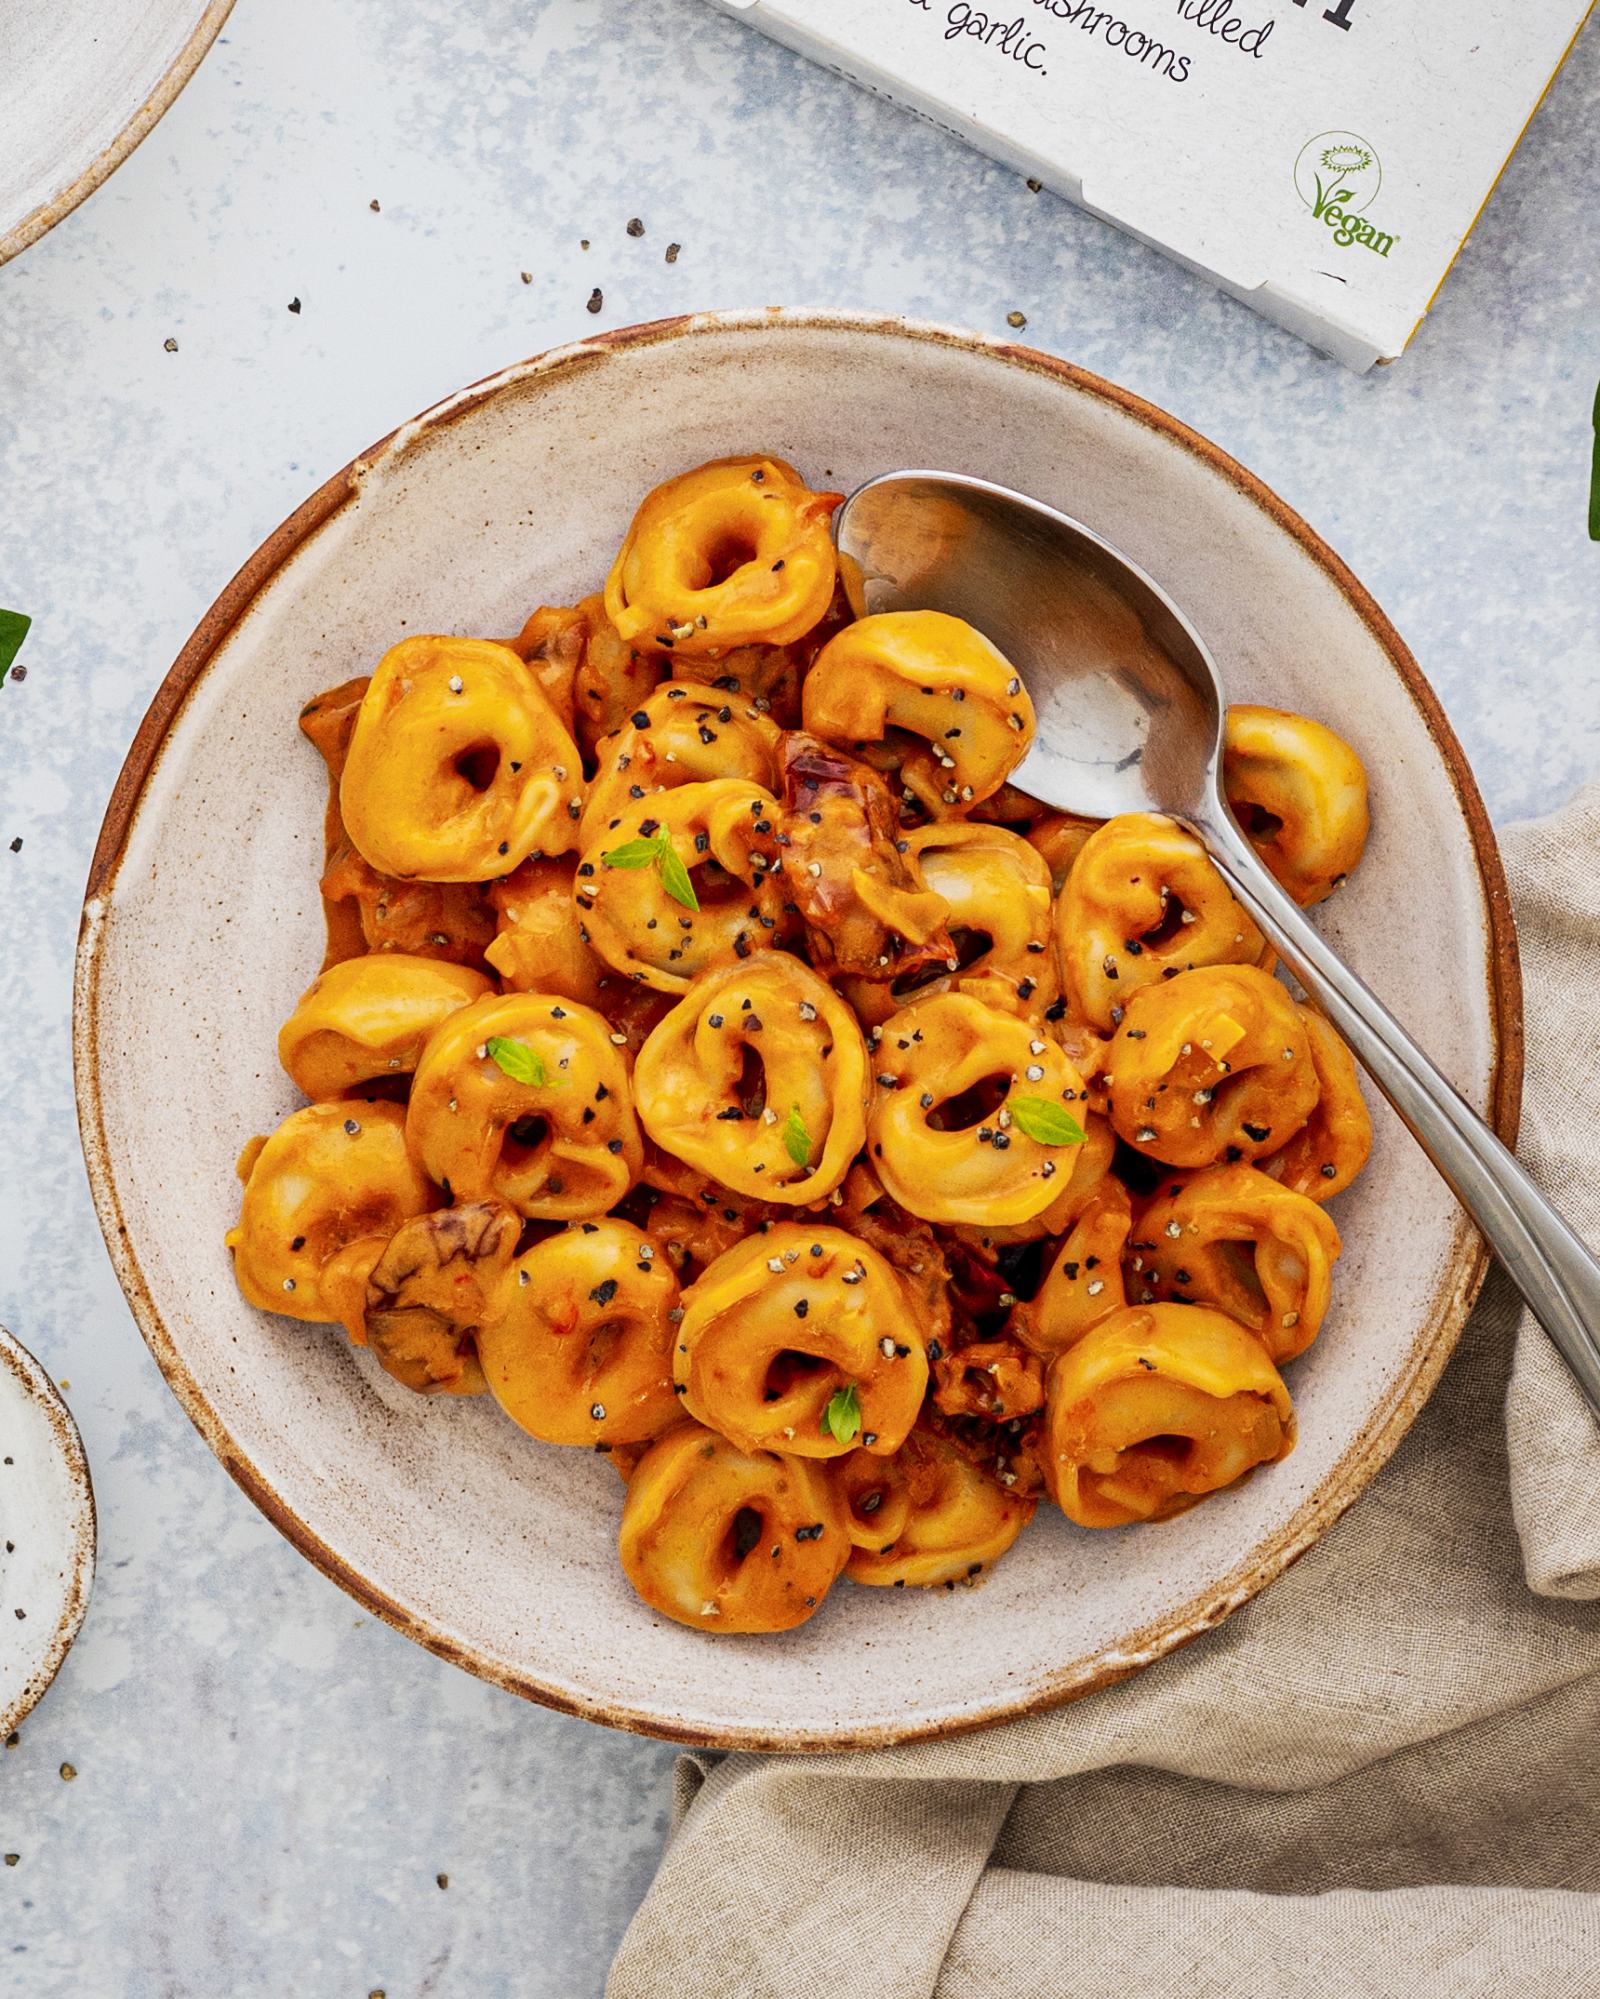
[(13, 630), (796, 1139), (518, 1061), (674, 875), (1045, 1122), (639, 853), (842, 1417)]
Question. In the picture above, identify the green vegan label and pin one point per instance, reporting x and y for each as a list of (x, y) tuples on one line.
[(1339, 176)]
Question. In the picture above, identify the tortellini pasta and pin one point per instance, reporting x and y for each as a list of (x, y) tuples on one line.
[(581, 1352), (329, 1176), (1214, 1065), (1230, 1237), (778, 1332), (1142, 902), (734, 552), (371, 912), (1333, 1145), (974, 1114), (367, 1018), (526, 1100), (731, 1540), (721, 1062), (996, 888), (930, 676), (1301, 794), (1156, 1407), (1086, 1283), (681, 735), (683, 880), (927, 1516), (758, 1079), (458, 768)]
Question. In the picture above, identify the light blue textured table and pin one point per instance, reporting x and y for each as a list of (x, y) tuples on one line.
[(271, 1787)]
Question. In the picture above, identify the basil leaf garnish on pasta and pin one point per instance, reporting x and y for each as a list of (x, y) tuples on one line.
[(796, 1139), (674, 875), (631, 854), (842, 1417), (656, 851), (1046, 1123), (518, 1061)]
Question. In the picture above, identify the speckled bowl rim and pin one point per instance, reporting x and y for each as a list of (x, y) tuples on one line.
[(31, 1378), (143, 122), (1389, 1420)]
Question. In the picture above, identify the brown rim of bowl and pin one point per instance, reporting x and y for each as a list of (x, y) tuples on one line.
[(143, 122), (1343, 1484), (36, 1383)]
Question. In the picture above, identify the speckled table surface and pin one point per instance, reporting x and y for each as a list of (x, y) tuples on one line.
[(273, 1793)]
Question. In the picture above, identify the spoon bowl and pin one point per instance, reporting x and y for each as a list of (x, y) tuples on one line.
[(1129, 702), (1131, 717)]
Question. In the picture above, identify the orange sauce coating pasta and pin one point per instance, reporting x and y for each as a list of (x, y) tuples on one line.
[(719, 1059)]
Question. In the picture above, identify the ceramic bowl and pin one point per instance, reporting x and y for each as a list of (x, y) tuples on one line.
[(46, 1531), (202, 926), (81, 83)]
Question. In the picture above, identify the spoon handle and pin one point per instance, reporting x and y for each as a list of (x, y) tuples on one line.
[(1546, 1260)]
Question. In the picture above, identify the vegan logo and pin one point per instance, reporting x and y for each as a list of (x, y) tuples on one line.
[(1338, 176)]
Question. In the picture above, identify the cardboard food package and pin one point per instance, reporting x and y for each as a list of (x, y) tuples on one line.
[(1323, 160)]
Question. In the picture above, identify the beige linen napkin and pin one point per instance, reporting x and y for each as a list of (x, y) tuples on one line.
[(1380, 1778)]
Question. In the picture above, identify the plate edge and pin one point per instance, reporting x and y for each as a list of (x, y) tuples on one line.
[(1350, 1475), (39, 221)]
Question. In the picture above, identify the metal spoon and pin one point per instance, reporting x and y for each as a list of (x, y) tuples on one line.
[(1130, 711)]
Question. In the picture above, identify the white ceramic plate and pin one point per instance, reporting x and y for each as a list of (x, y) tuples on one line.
[(202, 926), (46, 1531), (81, 83)]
